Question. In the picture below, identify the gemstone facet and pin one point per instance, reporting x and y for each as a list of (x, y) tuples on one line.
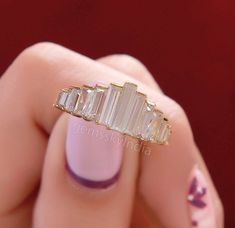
[(72, 99), (83, 105), (148, 122), (163, 132), (62, 98), (155, 125), (110, 105), (94, 103), (124, 107), (100, 94), (134, 120)]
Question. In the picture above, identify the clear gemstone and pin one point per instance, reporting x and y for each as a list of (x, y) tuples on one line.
[(155, 125), (142, 129), (148, 123), (72, 99), (163, 132), (110, 104), (85, 101), (125, 107), (94, 102), (62, 98), (134, 119), (100, 95)]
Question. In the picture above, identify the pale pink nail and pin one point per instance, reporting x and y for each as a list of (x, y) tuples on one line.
[(93, 153), (200, 201)]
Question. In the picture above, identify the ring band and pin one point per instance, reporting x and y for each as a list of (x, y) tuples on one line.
[(117, 107)]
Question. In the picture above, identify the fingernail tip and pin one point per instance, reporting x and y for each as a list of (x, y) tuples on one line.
[(92, 183)]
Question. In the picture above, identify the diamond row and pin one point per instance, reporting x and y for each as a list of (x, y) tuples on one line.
[(121, 108)]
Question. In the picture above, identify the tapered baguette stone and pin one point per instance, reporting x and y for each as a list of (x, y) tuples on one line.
[(149, 122), (85, 101), (100, 95), (110, 105), (124, 107), (135, 117), (72, 99), (94, 103), (62, 98), (163, 132), (155, 125)]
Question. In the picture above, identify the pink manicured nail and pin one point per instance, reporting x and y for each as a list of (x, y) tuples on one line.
[(93, 153), (200, 202)]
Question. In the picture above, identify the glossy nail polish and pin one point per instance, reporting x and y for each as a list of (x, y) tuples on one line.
[(93, 153)]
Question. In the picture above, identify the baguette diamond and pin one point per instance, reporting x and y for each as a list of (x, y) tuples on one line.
[(124, 107), (134, 120), (72, 99), (155, 125), (62, 98), (110, 105), (93, 103), (100, 95), (147, 122), (163, 132), (121, 108), (85, 101)]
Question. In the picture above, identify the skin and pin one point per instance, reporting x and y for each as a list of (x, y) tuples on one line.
[(35, 189)]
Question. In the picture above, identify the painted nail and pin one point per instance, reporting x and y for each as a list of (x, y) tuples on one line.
[(93, 153), (200, 202)]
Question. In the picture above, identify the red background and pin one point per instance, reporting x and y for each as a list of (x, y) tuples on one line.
[(188, 45)]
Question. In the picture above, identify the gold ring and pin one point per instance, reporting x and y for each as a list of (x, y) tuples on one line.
[(117, 107)]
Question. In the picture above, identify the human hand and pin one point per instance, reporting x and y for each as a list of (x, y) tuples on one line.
[(170, 187)]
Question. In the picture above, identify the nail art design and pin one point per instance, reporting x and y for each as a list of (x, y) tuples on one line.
[(199, 199), (196, 194)]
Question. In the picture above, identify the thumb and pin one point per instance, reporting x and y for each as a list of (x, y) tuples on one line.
[(88, 177)]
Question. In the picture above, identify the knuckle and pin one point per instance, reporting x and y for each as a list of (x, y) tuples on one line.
[(35, 52), (126, 60), (38, 46), (130, 60), (33, 60), (176, 111)]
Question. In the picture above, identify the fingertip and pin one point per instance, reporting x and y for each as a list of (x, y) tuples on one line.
[(86, 191)]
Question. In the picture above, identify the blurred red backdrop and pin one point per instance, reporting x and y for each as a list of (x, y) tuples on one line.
[(188, 45)]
